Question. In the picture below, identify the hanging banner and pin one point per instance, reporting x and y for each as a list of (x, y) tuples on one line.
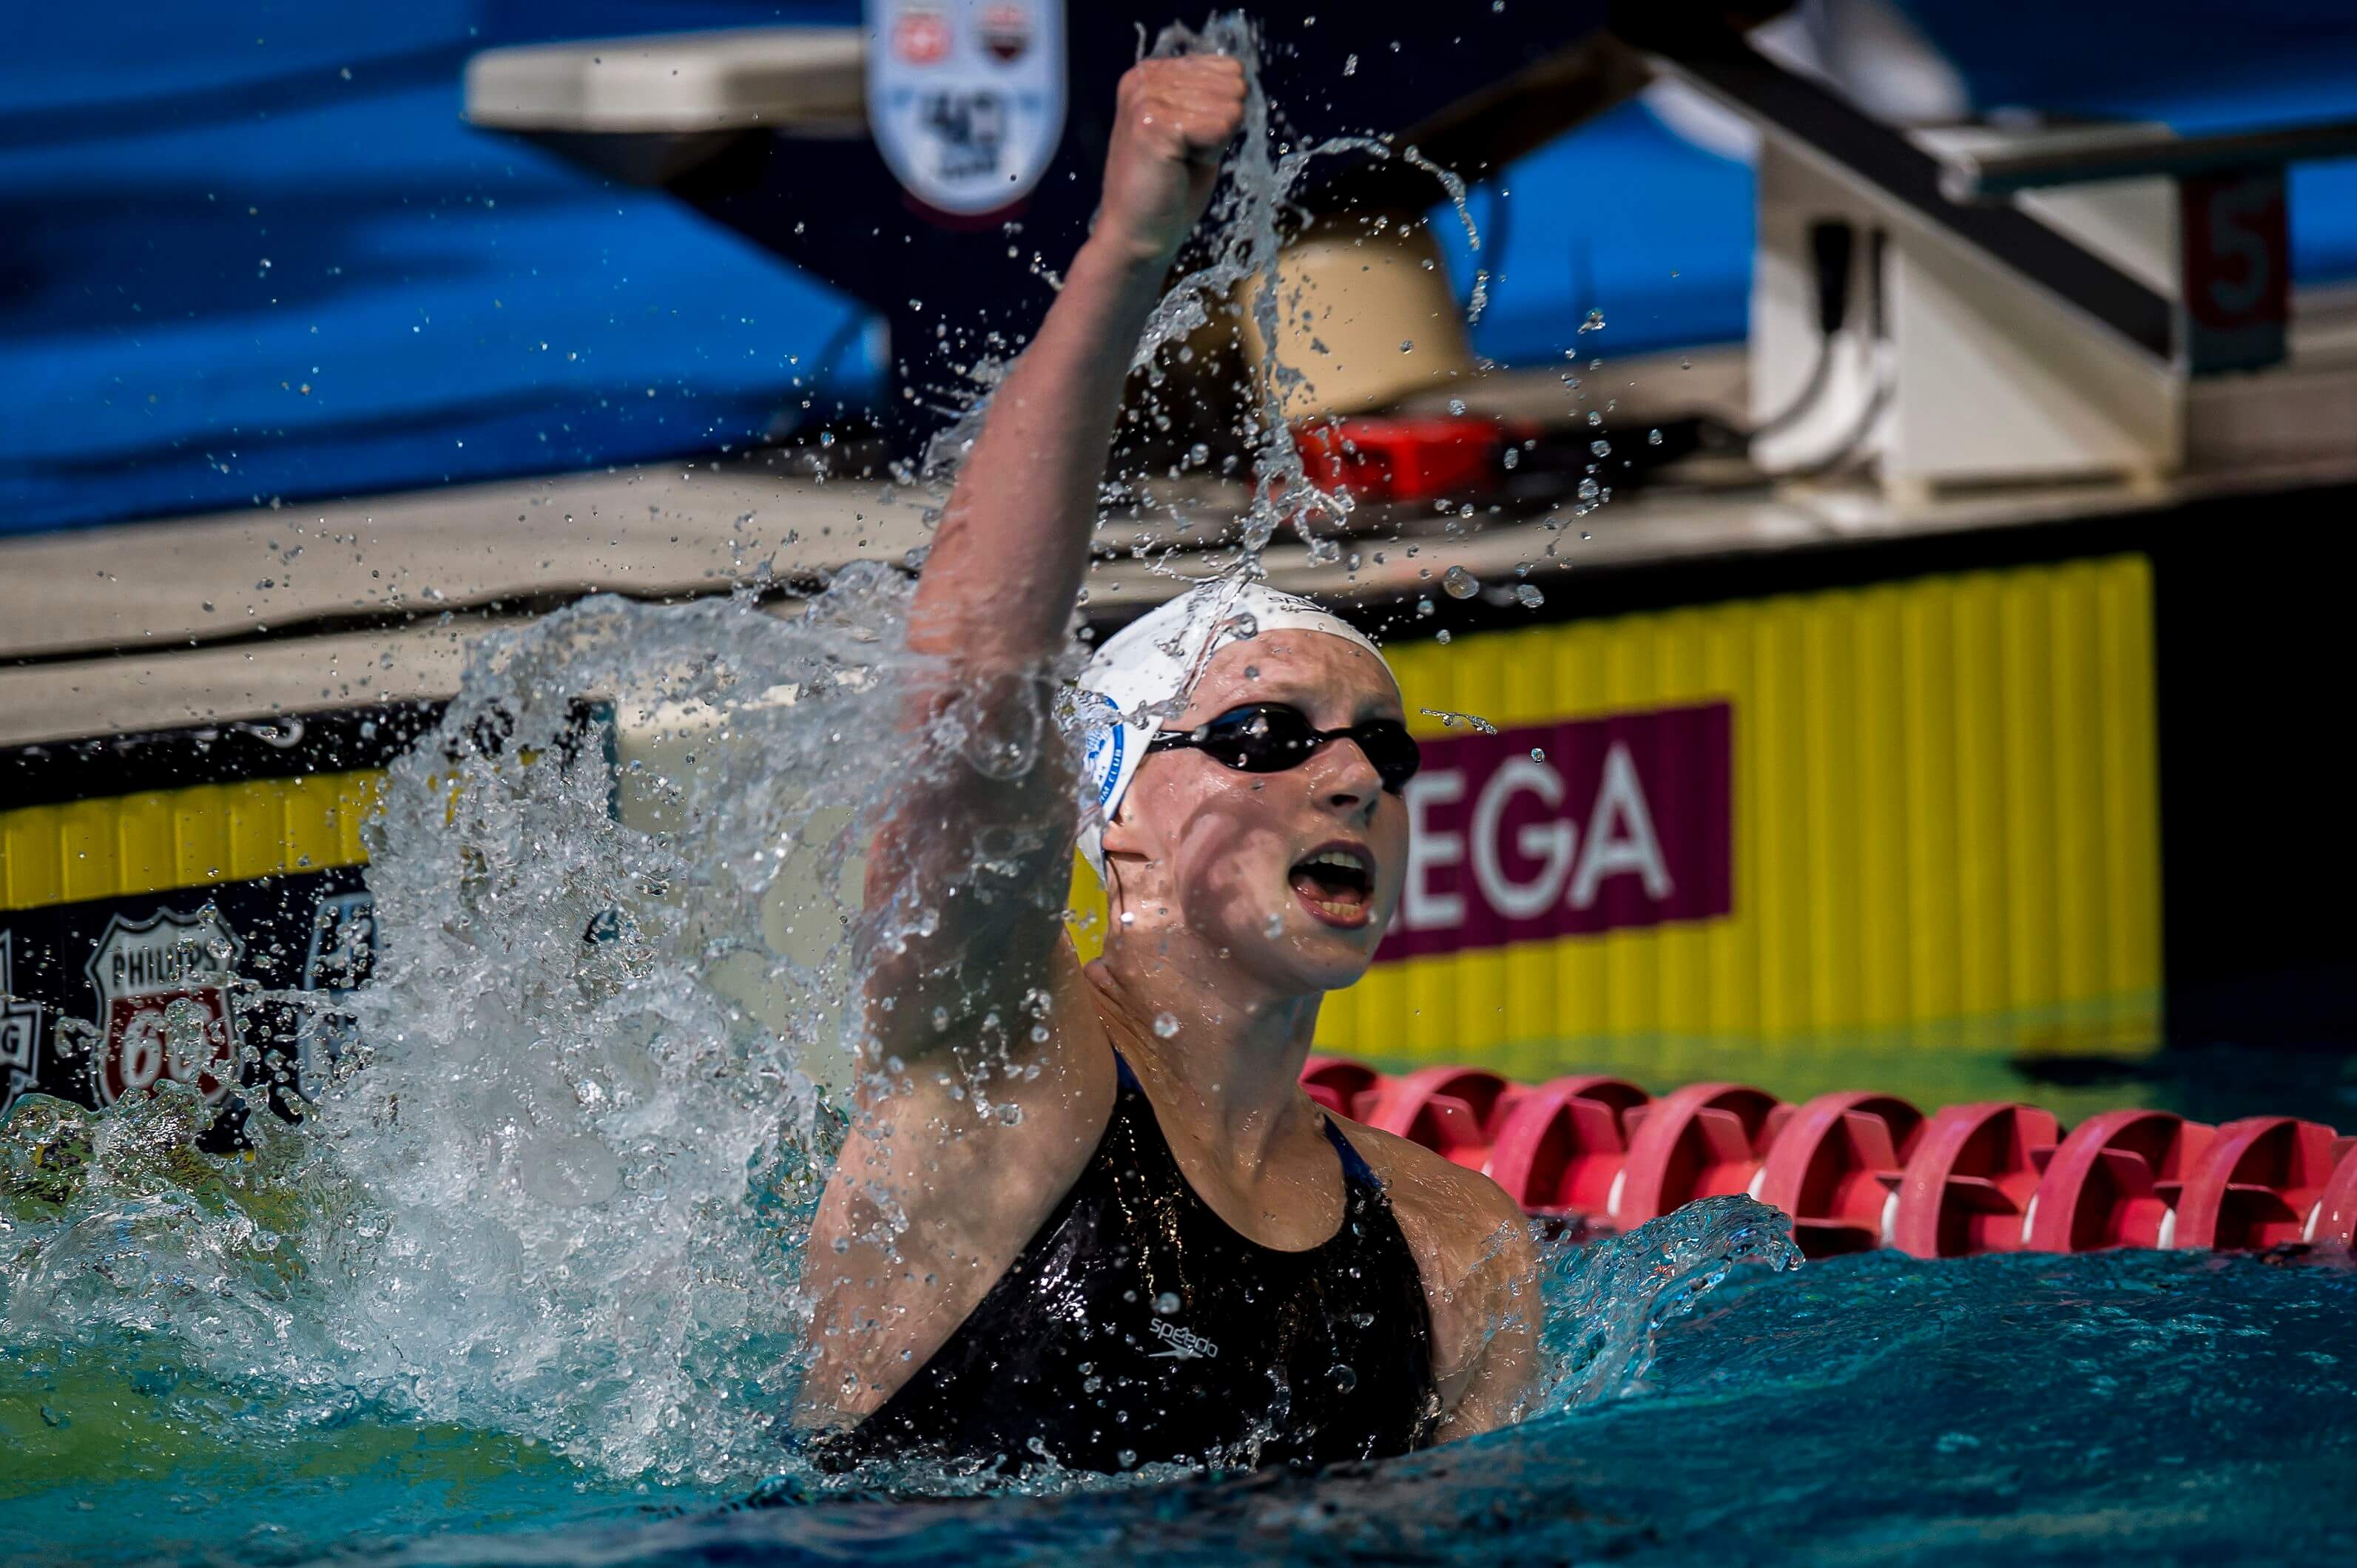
[(967, 97)]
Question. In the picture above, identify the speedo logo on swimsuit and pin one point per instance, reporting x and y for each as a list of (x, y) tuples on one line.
[(1184, 1344)]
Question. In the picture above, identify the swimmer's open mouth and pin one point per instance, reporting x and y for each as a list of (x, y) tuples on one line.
[(1337, 884)]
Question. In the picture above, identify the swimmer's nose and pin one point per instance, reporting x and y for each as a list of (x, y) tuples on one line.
[(1347, 781)]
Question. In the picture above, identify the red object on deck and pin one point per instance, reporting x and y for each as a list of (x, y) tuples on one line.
[(2256, 1183), (1452, 1110), (1336, 1082), (1970, 1179), (1834, 1168), (2114, 1182), (2334, 1217), (1403, 459), (1706, 1140), (1561, 1145)]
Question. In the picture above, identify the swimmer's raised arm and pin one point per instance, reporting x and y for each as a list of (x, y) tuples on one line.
[(1005, 567), (991, 855)]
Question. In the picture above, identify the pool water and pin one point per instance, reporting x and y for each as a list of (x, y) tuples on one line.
[(2154, 1407)]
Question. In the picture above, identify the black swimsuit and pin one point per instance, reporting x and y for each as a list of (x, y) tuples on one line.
[(1138, 1326)]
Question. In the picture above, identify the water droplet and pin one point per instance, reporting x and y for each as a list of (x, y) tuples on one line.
[(1595, 322), (1127, 1458), (1459, 583), (1652, 438), (1273, 927), (1528, 596), (1589, 490), (1600, 447), (1342, 1378), (1407, 345), (1166, 1024), (1537, 755), (1167, 1303), (1441, 636), (1457, 405), (1010, 1115)]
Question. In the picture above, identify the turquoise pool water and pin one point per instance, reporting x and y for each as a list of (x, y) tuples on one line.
[(2148, 1407)]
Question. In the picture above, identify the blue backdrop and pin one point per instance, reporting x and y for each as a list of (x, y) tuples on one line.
[(248, 250)]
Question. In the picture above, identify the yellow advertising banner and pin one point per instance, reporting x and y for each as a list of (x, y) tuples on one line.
[(197, 836)]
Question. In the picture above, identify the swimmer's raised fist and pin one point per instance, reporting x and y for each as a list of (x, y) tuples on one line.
[(1175, 118)]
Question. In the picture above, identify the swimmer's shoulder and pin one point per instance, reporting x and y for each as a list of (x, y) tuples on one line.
[(1479, 1271), (1457, 1219)]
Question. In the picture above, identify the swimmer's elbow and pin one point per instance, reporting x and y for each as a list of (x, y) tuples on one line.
[(1498, 1392)]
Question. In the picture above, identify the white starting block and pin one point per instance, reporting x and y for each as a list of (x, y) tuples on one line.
[(1971, 307)]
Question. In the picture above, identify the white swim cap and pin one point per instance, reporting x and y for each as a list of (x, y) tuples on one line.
[(1154, 663)]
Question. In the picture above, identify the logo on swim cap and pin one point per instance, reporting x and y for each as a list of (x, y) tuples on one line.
[(1108, 741)]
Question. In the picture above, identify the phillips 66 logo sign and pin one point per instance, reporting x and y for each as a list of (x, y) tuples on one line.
[(967, 97), (165, 1007), (20, 1029)]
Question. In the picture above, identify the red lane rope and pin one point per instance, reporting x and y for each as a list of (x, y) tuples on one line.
[(1860, 1170)]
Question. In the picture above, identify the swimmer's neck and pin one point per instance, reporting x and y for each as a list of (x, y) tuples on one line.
[(1234, 1066)]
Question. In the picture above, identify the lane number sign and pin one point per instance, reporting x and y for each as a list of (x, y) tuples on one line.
[(2237, 268)]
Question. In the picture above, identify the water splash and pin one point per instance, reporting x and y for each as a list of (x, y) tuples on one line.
[(1608, 1301), (557, 1187), (1252, 214)]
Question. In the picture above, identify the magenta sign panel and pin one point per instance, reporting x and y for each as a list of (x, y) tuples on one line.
[(1566, 829)]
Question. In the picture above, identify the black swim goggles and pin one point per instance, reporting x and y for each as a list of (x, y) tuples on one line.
[(1270, 737)]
